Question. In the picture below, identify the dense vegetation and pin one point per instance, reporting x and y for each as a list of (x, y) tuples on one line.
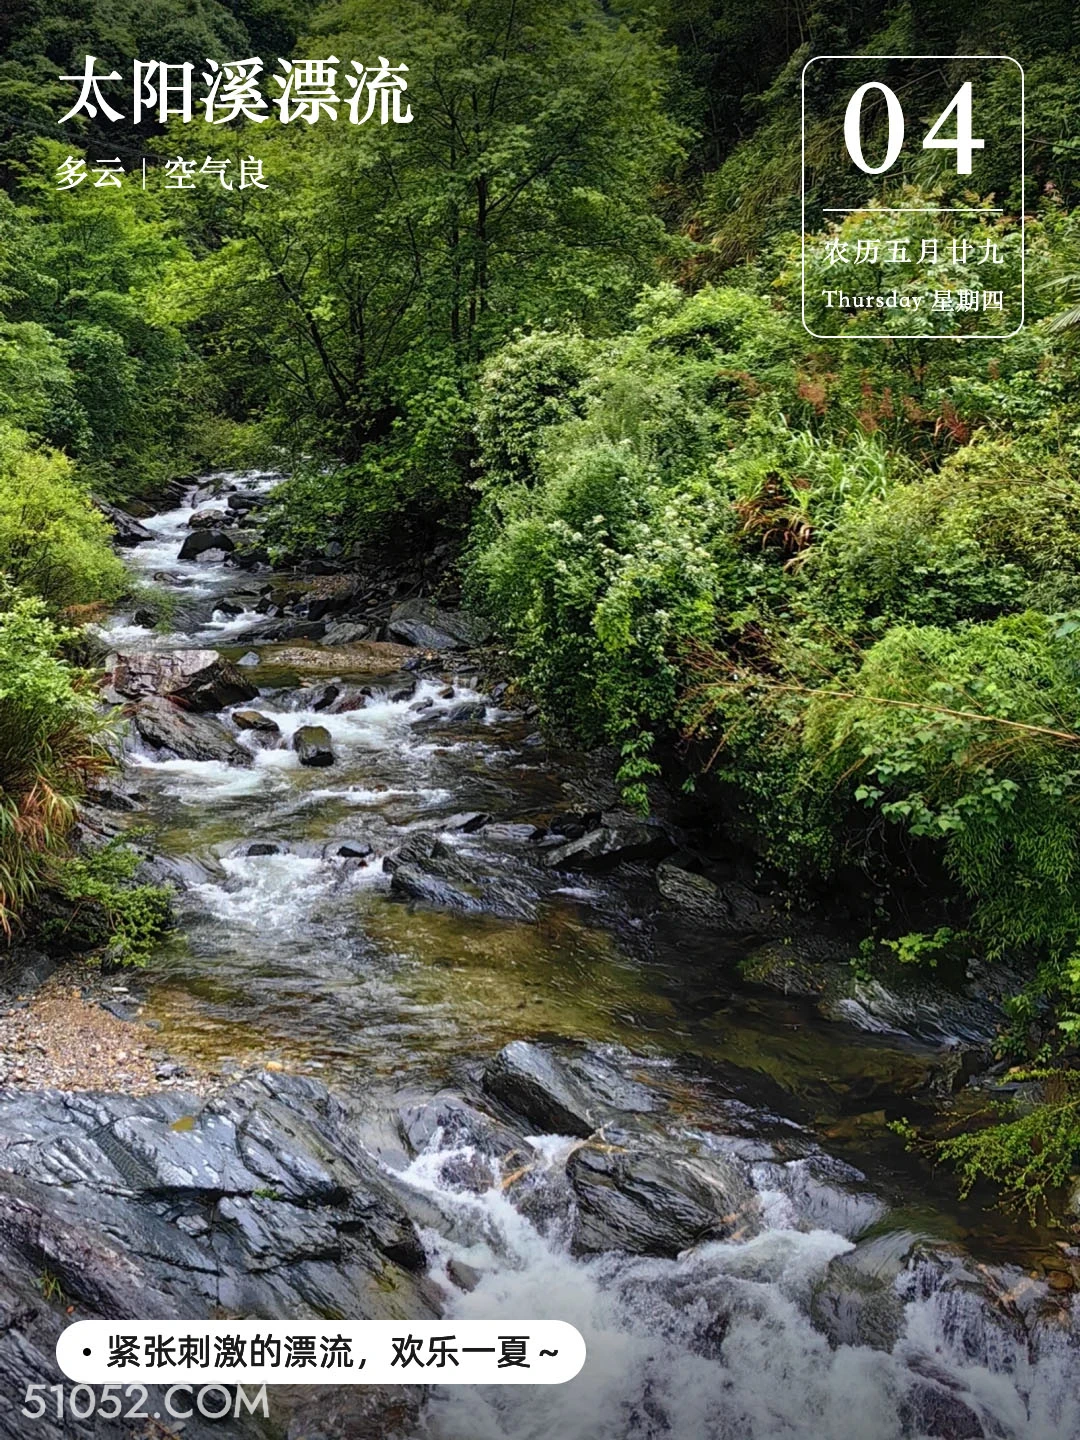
[(556, 320)]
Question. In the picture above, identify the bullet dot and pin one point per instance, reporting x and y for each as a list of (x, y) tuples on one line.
[(157, 1414), (87, 1350)]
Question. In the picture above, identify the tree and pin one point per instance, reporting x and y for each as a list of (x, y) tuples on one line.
[(353, 300)]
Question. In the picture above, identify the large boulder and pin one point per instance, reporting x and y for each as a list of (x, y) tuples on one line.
[(652, 1204), (207, 520), (419, 622), (199, 543), (313, 745), (565, 1093), (199, 680), (126, 529), (538, 1085), (185, 735), (732, 906), (245, 500), (348, 632), (260, 1201)]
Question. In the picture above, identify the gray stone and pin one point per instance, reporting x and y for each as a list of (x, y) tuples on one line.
[(126, 529), (650, 1204), (255, 720), (608, 846), (201, 680), (535, 1084), (312, 744), (200, 543), (207, 520), (185, 735), (419, 622), (261, 1201)]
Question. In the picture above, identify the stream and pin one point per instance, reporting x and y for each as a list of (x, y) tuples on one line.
[(862, 1301)]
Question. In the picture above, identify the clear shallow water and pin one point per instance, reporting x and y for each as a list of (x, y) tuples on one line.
[(305, 958)]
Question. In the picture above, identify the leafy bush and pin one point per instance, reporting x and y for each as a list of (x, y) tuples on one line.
[(1029, 1149), (53, 542), (48, 727), (102, 909), (994, 530), (970, 739), (532, 384), (600, 576)]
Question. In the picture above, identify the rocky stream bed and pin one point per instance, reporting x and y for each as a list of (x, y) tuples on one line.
[(442, 1030)]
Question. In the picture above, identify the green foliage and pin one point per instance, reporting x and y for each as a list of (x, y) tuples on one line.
[(1030, 1151), (970, 739), (47, 729), (53, 542), (995, 530), (103, 909), (522, 198), (531, 384)]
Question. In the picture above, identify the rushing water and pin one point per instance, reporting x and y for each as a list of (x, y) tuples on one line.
[(297, 955)]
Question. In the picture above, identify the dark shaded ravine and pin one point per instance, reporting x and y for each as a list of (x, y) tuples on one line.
[(863, 1303)]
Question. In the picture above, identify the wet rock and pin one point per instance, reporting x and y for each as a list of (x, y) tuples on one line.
[(354, 850), (113, 797), (573, 824), (449, 1122), (126, 529), (358, 1412), (399, 693), (428, 870), (650, 1204), (244, 500), (827, 1194), (916, 1006), (325, 697), (200, 680), (535, 1084), (313, 745), (419, 622), (255, 720), (411, 882), (938, 1411), (201, 544), (290, 628), (351, 700), (608, 846), (467, 821), (695, 896), (144, 617), (348, 632), (207, 520), (467, 712), (264, 847), (185, 735), (260, 1201), (465, 1277)]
